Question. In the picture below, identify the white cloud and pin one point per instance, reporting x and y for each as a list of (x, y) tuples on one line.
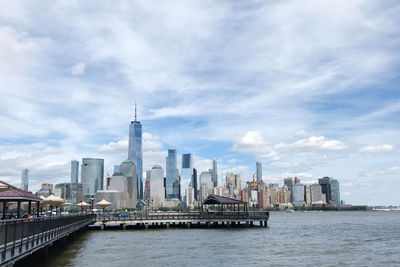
[(284, 165), (78, 69), (378, 149), (120, 146), (315, 143)]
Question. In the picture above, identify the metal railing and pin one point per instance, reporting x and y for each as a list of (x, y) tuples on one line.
[(21, 236), (250, 215)]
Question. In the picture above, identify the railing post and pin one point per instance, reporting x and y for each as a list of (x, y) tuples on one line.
[(3, 256)]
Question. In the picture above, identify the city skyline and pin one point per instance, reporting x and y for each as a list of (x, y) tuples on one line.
[(233, 84)]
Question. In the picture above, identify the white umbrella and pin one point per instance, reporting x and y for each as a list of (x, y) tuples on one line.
[(103, 204)]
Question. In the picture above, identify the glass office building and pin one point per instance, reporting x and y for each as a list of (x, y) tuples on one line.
[(157, 190), (74, 171), (172, 173), (24, 179), (259, 171), (186, 173), (135, 153), (92, 176)]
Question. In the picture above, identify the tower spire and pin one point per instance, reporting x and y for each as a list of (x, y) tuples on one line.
[(135, 112)]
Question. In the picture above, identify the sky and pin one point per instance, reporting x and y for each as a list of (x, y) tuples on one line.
[(307, 88)]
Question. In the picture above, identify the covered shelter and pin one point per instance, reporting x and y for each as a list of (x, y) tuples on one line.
[(10, 193), (221, 201)]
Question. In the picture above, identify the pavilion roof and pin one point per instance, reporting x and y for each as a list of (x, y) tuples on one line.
[(215, 199), (13, 193)]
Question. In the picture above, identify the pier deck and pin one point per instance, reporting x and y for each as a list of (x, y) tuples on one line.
[(22, 237), (192, 219)]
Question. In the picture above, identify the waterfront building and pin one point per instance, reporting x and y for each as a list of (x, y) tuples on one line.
[(129, 170), (24, 179), (189, 197), (147, 185), (289, 183), (284, 195), (63, 190), (233, 184), (135, 153), (253, 198), (262, 195), (244, 195), (330, 187), (76, 193), (119, 182), (206, 185), (157, 189), (74, 180), (214, 172), (316, 194), (43, 192), (335, 193), (259, 171), (92, 176), (230, 181), (307, 195), (186, 172), (74, 171), (172, 179), (48, 186), (298, 194), (219, 191), (194, 184), (272, 194)]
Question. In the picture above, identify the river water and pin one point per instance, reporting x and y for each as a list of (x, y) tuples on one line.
[(299, 238)]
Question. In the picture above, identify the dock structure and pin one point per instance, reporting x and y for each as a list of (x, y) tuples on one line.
[(236, 215), (22, 237), (181, 220)]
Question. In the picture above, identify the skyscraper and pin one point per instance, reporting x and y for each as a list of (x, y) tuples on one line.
[(135, 151), (330, 187), (194, 184), (92, 176), (74, 171), (186, 172), (215, 172), (259, 171), (172, 179), (157, 190), (298, 194), (24, 179), (129, 170)]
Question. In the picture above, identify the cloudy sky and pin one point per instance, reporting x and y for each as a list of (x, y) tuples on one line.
[(308, 88)]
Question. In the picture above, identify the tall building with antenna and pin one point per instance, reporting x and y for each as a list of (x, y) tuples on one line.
[(135, 153)]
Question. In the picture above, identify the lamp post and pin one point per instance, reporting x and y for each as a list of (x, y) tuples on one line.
[(92, 204)]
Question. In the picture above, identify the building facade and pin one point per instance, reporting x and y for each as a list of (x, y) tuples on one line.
[(24, 179), (298, 194), (259, 171), (92, 176), (172, 179), (128, 169), (157, 189), (135, 153), (74, 171)]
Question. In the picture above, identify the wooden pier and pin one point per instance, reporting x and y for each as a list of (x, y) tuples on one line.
[(180, 220)]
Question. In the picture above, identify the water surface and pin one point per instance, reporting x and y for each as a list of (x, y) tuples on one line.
[(300, 238)]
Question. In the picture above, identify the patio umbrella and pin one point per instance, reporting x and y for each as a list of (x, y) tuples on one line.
[(53, 201), (103, 204), (83, 204)]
